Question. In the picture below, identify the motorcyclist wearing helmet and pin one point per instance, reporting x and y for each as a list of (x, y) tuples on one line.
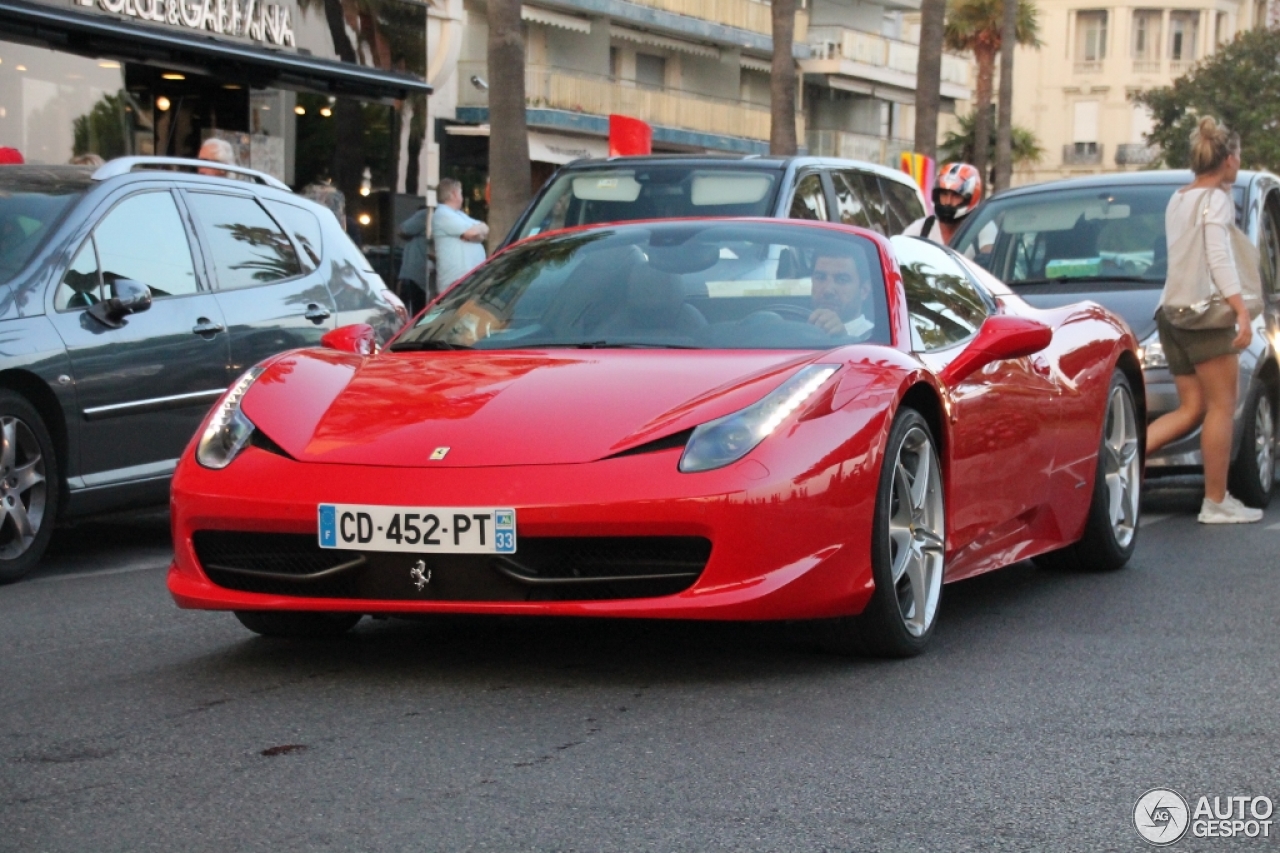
[(955, 195)]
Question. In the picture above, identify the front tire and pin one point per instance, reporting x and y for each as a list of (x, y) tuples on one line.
[(28, 487), (292, 623), (907, 551), (1252, 475), (1111, 529)]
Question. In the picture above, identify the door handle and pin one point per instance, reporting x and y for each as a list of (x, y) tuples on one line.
[(205, 326), (316, 313)]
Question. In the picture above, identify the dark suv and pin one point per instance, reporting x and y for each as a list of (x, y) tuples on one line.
[(130, 298), (676, 186)]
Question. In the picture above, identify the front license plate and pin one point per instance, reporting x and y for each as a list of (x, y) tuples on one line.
[(443, 530)]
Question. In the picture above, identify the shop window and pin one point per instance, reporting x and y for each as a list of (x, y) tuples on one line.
[(80, 285), (304, 227), (247, 247), (158, 255)]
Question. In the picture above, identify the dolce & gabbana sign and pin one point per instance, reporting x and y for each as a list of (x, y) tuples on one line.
[(254, 19)]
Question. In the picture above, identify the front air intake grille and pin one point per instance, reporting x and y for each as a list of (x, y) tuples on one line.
[(543, 569)]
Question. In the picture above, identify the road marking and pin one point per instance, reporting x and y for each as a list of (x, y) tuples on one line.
[(1154, 518), (123, 570), (1275, 526)]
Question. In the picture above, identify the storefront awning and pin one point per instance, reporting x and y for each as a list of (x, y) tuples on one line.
[(101, 36)]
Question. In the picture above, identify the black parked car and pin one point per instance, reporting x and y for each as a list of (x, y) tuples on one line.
[(1102, 238), (673, 186), (130, 299)]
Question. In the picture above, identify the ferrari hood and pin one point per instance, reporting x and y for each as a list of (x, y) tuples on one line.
[(464, 409)]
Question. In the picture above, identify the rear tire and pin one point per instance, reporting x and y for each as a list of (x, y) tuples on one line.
[(1252, 475), (290, 623), (907, 551), (1111, 529), (28, 487)]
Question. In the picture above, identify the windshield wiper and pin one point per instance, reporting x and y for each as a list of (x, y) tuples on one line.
[(417, 346), (1070, 279)]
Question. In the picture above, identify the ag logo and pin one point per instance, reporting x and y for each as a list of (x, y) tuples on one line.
[(1161, 816)]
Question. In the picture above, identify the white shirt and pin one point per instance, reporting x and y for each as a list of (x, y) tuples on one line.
[(916, 229), (1200, 256), (454, 256)]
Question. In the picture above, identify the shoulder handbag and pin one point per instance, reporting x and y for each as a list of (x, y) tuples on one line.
[(1215, 312)]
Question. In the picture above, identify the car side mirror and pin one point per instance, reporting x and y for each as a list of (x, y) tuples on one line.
[(358, 338), (127, 297), (1000, 337)]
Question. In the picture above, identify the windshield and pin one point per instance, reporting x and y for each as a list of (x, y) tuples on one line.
[(713, 285), (618, 194), (1065, 236), (26, 218)]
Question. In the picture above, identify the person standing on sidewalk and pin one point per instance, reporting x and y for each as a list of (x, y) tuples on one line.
[(412, 279), (459, 239), (1204, 362)]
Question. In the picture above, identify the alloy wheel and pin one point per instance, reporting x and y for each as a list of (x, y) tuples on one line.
[(916, 532), (1264, 439), (1121, 467), (23, 490)]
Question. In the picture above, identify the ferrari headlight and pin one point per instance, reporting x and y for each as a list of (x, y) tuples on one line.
[(724, 440), (229, 430), (1152, 353)]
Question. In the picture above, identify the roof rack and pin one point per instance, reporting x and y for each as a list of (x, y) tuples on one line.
[(125, 165)]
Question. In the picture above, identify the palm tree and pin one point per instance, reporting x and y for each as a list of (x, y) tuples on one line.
[(782, 88), (1004, 109), (959, 145), (975, 26), (510, 176), (929, 76)]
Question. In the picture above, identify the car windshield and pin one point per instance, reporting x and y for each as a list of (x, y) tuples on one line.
[(26, 218), (704, 285), (665, 191), (1070, 236)]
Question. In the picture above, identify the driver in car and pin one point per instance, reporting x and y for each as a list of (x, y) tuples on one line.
[(840, 295)]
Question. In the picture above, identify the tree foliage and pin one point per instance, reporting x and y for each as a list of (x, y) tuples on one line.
[(1239, 85), (959, 145)]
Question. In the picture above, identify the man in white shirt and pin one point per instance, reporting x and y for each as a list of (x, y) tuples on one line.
[(839, 296), (459, 239)]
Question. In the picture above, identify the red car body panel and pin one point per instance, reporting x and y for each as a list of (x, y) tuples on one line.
[(538, 430)]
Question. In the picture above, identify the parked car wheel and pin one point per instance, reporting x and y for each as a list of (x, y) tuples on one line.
[(1252, 476), (28, 486), (907, 551), (288, 623), (1111, 530)]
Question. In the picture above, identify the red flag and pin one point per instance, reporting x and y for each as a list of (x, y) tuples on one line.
[(629, 136)]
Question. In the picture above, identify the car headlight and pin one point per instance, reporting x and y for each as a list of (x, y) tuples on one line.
[(1151, 353), (229, 430), (724, 440)]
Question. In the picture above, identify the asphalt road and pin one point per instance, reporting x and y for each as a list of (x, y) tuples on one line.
[(1047, 705)]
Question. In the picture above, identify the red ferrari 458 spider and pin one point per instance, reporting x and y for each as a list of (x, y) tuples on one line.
[(702, 419)]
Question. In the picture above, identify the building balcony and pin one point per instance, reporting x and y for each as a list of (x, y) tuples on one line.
[(1136, 154), (556, 89), (844, 52), (1082, 154), (1146, 66), (1087, 66), (750, 15), (721, 21), (857, 146)]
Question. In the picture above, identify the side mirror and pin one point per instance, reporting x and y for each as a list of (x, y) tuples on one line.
[(1000, 337), (127, 297), (358, 338)]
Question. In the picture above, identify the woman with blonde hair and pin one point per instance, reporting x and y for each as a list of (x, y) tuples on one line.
[(1205, 361)]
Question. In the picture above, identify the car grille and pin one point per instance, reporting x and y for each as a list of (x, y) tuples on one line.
[(543, 569)]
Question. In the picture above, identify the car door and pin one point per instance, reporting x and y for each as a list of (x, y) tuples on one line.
[(1003, 415), (271, 301), (143, 388)]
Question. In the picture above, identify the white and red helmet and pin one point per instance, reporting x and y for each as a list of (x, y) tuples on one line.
[(963, 180)]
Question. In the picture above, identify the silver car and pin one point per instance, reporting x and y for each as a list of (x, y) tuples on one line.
[(1103, 238)]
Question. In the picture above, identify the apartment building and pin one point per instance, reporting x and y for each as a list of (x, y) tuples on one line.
[(1074, 92), (696, 70)]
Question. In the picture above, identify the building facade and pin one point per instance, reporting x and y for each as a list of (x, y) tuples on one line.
[(303, 89), (1075, 92), (696, 70)]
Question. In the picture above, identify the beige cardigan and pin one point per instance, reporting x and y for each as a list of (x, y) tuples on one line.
[(1192, 255)]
